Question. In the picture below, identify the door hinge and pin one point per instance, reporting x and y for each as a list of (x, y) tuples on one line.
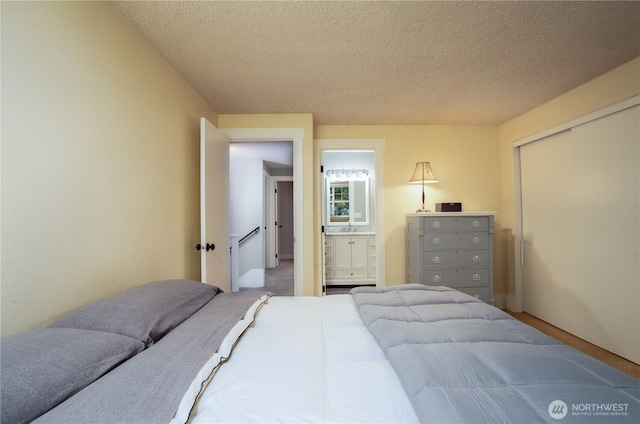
[(321, 169), (322, 230)]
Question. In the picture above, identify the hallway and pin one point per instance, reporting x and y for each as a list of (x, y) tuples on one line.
[(279, 281)]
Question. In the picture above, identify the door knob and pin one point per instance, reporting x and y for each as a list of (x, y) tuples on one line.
[(207, 247)]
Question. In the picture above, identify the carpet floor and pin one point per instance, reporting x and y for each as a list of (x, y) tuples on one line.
[(279, 280)]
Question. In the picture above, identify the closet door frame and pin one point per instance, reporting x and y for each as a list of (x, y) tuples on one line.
[(516, 304)]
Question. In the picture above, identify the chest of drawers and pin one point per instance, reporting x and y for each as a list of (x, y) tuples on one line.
[(453, 250)]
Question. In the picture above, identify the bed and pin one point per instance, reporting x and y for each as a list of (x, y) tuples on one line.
[(408, 353)]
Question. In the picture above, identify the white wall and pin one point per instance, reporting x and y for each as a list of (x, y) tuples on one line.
[(246, 198), (99, 161)]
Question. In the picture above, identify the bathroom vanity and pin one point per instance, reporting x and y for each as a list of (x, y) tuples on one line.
[(350, 258)]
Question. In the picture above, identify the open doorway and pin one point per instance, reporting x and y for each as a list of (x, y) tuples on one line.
[(349, 217), (284, 220), (296, 136), (255, 169), (351, 245)]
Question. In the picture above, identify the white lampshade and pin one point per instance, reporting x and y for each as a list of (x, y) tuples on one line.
[(423, 174)]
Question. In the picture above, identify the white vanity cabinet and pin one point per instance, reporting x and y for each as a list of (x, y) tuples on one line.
[(350, 259), (452, 249)]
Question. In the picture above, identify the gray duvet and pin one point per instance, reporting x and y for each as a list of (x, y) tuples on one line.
[(461, 360)]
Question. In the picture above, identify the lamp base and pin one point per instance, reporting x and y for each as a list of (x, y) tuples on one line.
[(423, 211)]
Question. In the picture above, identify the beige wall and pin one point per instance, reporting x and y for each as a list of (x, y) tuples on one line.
[(619, 84), (301, 120), (100, 161), (465, 159)]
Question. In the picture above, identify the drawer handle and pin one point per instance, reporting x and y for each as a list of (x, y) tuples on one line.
[(436, 241), (475, 240), (436, 260), (477, 259), (437, 279), (475, 224), (476, 277), (435, 224)]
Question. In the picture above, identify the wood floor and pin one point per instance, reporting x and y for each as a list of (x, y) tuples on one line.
[(592, 350), (280, 281)]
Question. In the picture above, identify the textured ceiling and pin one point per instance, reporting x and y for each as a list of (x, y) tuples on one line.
[(366, 62)]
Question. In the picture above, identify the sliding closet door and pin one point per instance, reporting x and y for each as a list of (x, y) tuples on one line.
[(607, 182), (547, 224), (581, 231)]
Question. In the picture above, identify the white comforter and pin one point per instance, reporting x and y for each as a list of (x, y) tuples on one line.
[(306, 359)]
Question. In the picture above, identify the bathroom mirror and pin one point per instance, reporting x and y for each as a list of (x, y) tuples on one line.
[(347, 202)]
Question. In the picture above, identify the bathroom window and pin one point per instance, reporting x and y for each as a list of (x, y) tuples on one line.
[(339, 202)]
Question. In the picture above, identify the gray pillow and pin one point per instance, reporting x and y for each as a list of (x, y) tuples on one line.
[(146, 312), (41, 368)]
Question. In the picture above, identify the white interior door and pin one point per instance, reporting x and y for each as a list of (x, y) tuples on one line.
[(276, 233), (214, 206)]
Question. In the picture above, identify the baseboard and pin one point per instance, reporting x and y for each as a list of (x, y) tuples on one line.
[(500, 300), (512, 305), (252, 279)]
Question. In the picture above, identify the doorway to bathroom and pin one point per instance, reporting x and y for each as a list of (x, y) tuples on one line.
[(351, 209)]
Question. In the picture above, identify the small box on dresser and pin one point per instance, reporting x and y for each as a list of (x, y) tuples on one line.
[(452, 249)]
